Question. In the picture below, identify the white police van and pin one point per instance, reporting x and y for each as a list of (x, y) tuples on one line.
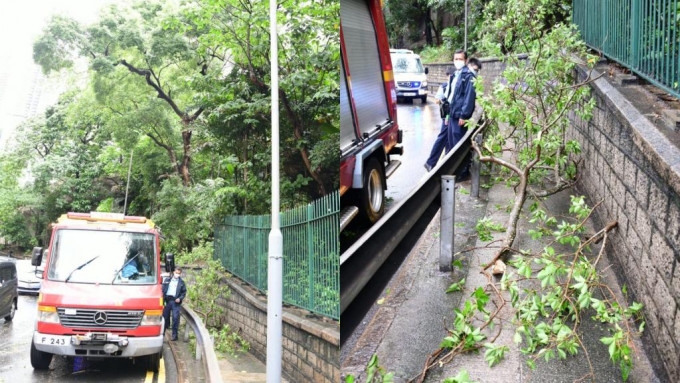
[(409, 75)]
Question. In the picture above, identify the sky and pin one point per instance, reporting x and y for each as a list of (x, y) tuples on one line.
[(24, 90)]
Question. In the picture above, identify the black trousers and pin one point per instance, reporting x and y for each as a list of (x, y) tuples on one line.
[(171, 306)]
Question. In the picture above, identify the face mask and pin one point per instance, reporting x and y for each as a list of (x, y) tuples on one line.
[(459, 63), (176, 276)]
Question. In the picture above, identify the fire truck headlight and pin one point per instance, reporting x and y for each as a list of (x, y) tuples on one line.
[(152, 318), (48, 314)]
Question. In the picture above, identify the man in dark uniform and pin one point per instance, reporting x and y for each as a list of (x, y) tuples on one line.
[(174, 291), (460, 94)]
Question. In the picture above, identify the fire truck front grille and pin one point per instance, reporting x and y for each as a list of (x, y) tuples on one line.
[(88, 318)]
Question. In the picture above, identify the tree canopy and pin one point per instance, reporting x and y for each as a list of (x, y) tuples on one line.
[(182, 88)]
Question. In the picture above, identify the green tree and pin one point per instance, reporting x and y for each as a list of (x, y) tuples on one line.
[(237, 33), (141, 71), (526, 111)]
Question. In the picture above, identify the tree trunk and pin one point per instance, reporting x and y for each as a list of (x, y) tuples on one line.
[(297, 131), (186, 160), (520, 197), (308, 164), (429, 26)]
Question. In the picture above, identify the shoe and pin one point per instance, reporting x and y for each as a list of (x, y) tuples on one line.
[(174, 338), (427, 167), (463, 177)]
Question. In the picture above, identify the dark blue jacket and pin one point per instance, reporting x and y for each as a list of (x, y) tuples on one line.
[(463, 104), (181, 289)]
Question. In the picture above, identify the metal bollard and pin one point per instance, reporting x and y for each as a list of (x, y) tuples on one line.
[(475, 169), (446, 221)]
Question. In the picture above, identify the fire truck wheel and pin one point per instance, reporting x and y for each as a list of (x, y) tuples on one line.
[(40, 360), (424, 99), (153, 361), (373, 192)]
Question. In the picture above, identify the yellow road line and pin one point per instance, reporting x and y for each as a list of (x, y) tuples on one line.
[(161, 372), (149, 377)]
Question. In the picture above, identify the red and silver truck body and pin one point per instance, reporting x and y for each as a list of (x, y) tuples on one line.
[(101, 291), (369, 132)]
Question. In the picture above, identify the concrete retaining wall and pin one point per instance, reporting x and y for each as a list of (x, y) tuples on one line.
[(635, 169), (311, 347), (491, 69)]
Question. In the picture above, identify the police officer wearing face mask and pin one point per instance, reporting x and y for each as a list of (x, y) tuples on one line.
[(460, 94), (174, 291)]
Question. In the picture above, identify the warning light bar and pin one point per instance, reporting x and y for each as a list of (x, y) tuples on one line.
[(106, 217)]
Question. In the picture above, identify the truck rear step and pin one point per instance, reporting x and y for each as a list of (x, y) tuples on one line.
[(346, 215), (391, 167)]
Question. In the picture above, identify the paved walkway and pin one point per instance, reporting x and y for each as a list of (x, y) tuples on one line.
[(412, 319), (244, 368)]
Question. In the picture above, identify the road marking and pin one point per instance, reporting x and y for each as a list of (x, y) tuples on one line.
[(149, 377), (161, 372)]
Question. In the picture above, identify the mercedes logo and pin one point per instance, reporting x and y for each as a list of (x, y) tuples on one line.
[(100, 318)]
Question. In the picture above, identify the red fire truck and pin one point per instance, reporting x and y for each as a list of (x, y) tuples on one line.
[(369, 132), (101, 290)]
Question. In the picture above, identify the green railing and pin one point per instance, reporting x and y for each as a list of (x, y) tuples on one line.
[(643, 35), (311, 253)]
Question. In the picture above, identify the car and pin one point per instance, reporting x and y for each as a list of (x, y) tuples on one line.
[(29, 277), (9, 295), (409, 74)]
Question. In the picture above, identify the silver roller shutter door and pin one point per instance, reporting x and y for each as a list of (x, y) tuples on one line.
[(368, 87)]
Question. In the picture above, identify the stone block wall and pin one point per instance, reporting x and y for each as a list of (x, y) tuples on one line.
[(635, 170), (491, 69), (311, 346)]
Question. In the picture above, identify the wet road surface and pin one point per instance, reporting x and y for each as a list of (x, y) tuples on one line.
[(15, 362), (420, 124)]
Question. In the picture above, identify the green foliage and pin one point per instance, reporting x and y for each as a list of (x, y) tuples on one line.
[(456, 286), (484, 228), (495, 353), (190, 213), (548, 318), (374, 373), (436, 54), (527, 107), (462, 377), (551, 293), (170, 83), (204, 291), (228, 341)]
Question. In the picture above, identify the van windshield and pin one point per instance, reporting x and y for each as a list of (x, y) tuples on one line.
[(107, 257), (407, 64)]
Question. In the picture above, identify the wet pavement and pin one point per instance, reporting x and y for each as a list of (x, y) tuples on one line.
[(412, 318), (420, 124), (15, 363)]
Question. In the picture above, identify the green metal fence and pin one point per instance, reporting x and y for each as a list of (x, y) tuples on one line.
[(643, 35), (311, 253)]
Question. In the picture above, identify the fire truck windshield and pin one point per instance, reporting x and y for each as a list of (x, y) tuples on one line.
[(93, 256)]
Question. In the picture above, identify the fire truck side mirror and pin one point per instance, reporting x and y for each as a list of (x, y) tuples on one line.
[(426, 70), (36, 256), (169, 262)]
